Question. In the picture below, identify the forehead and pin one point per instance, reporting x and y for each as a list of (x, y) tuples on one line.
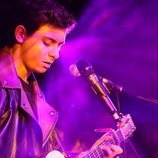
[(58, 34)]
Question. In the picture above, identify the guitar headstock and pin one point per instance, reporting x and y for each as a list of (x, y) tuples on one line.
[(126, 127)]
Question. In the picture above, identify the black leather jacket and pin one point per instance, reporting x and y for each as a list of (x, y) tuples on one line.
[(22, 135)]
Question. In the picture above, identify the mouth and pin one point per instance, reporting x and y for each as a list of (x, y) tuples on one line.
[(47, 64)]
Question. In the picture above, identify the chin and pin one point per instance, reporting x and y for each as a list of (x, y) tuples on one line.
[(41, 71)]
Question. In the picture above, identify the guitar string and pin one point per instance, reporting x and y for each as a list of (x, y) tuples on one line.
[(95, 155), (97, 152)]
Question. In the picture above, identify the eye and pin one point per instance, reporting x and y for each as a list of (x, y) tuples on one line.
[(47, 42), (61, 44)]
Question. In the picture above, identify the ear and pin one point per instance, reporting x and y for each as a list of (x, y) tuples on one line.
[(20, 33)]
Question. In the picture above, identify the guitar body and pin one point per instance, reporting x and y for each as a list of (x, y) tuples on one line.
[(54, 154), (124, 131)]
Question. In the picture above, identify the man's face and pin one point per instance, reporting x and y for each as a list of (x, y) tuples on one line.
[(41, 49)]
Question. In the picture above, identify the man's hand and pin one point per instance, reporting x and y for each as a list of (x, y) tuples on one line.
[(110, 150)]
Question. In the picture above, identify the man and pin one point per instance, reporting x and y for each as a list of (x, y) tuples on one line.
[(31, 35)]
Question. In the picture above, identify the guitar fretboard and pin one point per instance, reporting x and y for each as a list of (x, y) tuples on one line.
[(97, 152)]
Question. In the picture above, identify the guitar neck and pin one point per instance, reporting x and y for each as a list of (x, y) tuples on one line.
[(118, 136), (97, 152)]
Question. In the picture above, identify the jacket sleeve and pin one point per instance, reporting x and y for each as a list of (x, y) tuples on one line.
[(3, 101)]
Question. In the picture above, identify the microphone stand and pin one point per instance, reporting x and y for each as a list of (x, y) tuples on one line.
[(100, 89), (119, 117)]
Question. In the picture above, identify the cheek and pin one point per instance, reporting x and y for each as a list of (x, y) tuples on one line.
[(34, 53), (33, 48), (31, 58)]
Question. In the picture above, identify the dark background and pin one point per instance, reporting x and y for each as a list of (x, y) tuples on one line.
[(120, 39)]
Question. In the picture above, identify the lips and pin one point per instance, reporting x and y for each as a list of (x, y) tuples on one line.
[(47, 64)]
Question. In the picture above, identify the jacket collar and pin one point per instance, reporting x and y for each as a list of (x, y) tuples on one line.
[(8, 74)]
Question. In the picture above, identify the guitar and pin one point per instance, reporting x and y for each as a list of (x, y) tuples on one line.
[(124, 131), (54, 154)]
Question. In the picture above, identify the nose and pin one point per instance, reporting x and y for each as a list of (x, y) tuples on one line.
[(54, 53)]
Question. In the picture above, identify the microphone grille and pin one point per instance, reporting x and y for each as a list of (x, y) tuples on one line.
[(84, 68), (74, 70)]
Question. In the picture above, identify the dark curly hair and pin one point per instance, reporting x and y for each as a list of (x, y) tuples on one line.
[(31, 14)]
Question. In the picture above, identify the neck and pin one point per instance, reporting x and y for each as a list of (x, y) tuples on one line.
[(21, 70)]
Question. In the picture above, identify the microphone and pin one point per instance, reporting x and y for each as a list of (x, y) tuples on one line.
[(83, 68), (109, 85)]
